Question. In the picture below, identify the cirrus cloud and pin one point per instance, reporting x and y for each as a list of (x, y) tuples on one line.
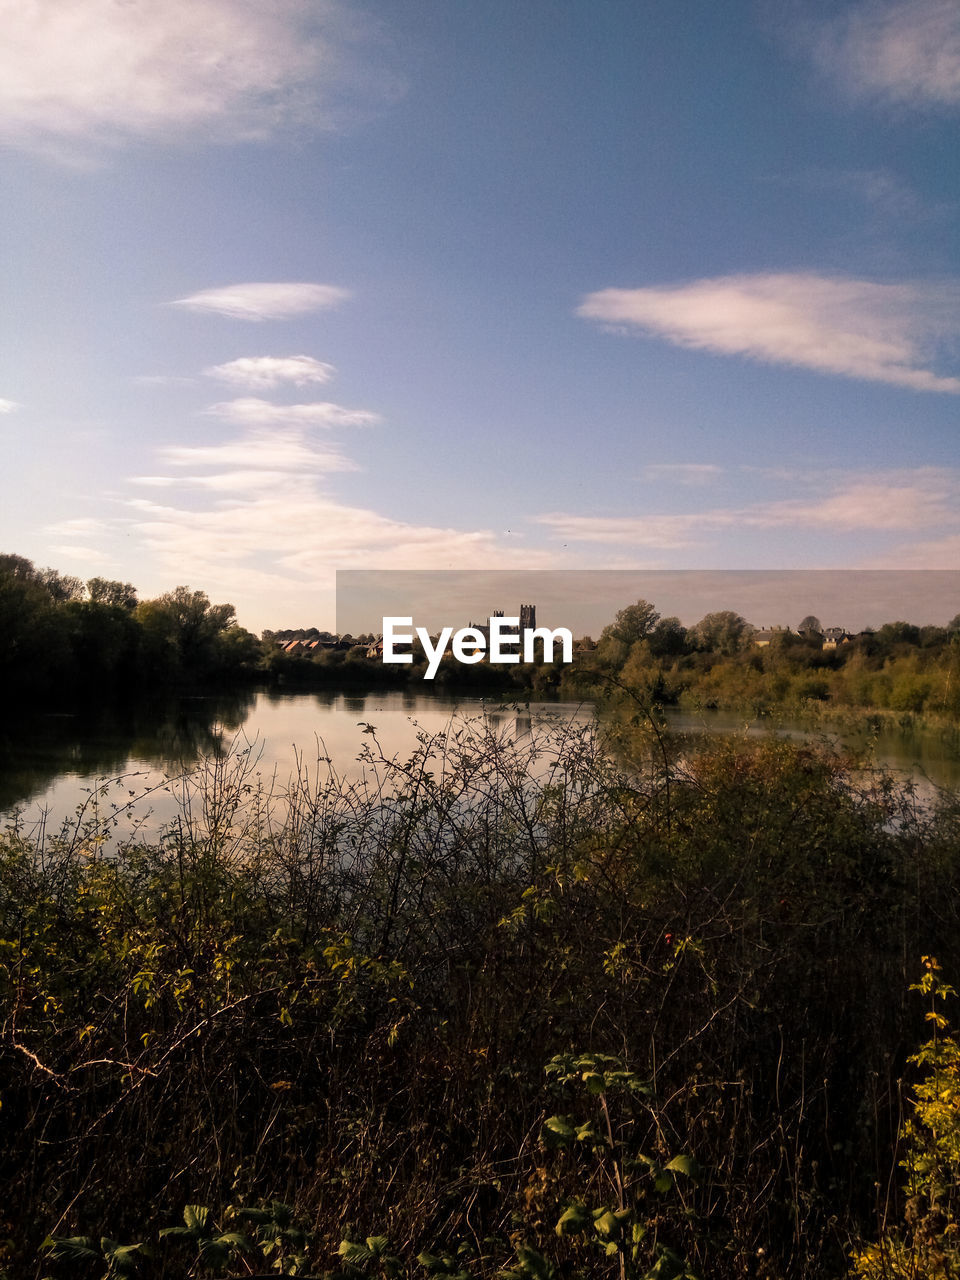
[(855, 328), (287, 452), (261, 373), (251, 411), (264, 300), (885, 502)]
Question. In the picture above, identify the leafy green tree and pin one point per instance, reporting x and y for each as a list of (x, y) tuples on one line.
[(61, 587), (104, 638), (20, 567), (633, 623), (33, 646), (668, 638), (893, 634), (182, 629), (107, 591), (237, 649), (723, 632)]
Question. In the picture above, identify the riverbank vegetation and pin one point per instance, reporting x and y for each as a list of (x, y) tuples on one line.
[(497, 1009), (722, 662), (58, 634)]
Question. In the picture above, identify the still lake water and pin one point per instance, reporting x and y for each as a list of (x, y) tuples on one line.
[(51, 764)]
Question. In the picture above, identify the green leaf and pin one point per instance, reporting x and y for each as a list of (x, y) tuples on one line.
[(534, 1265), (353, 1251), (124, 1259), (196, 1217), (573, 1220), (685, 1164), (557, 1131), (258, 1216), (235, 1240), (213, 1252), (610, 1222), (177, 1233), (72, 1247), (668, 1266)]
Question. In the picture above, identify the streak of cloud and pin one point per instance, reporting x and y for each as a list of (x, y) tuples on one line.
[(263, 300), (855, 328)]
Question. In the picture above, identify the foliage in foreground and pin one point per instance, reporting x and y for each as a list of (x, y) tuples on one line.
[(928, 1245), (342, 999)]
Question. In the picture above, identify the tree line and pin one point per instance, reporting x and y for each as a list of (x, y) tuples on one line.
[(57, 632), (60, 633), (723, 661)]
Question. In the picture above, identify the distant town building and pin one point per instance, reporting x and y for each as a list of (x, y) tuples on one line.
[(833, 637), (767, 636)]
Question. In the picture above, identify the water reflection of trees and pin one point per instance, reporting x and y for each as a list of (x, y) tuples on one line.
[(103, 739)]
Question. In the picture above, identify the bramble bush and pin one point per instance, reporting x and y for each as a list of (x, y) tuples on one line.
[(341, 1000)]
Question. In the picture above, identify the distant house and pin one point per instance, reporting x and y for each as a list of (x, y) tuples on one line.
[(833, 637), (767, 636)]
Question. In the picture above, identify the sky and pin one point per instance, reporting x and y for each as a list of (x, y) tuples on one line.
[(430, 284)]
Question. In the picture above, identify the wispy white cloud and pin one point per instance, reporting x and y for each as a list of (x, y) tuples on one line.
[(81, 527), (94, 73), (288, 523), (79, 537), (307, 534), (261, 373), (251, 411), (659, 532), (264, 300), (925, 498), (8, 406), (261, 451), (904, 51), (858, 329), (258, 513), (81, 555)]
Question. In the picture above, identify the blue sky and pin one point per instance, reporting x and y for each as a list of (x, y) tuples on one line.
[(436, 284)]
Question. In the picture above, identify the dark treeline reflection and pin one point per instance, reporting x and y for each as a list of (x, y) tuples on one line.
[(102, 738)]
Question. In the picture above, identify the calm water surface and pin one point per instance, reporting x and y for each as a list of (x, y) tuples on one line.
[(53, 764)]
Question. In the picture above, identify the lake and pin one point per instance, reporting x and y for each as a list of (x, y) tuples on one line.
[(126, 760)]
